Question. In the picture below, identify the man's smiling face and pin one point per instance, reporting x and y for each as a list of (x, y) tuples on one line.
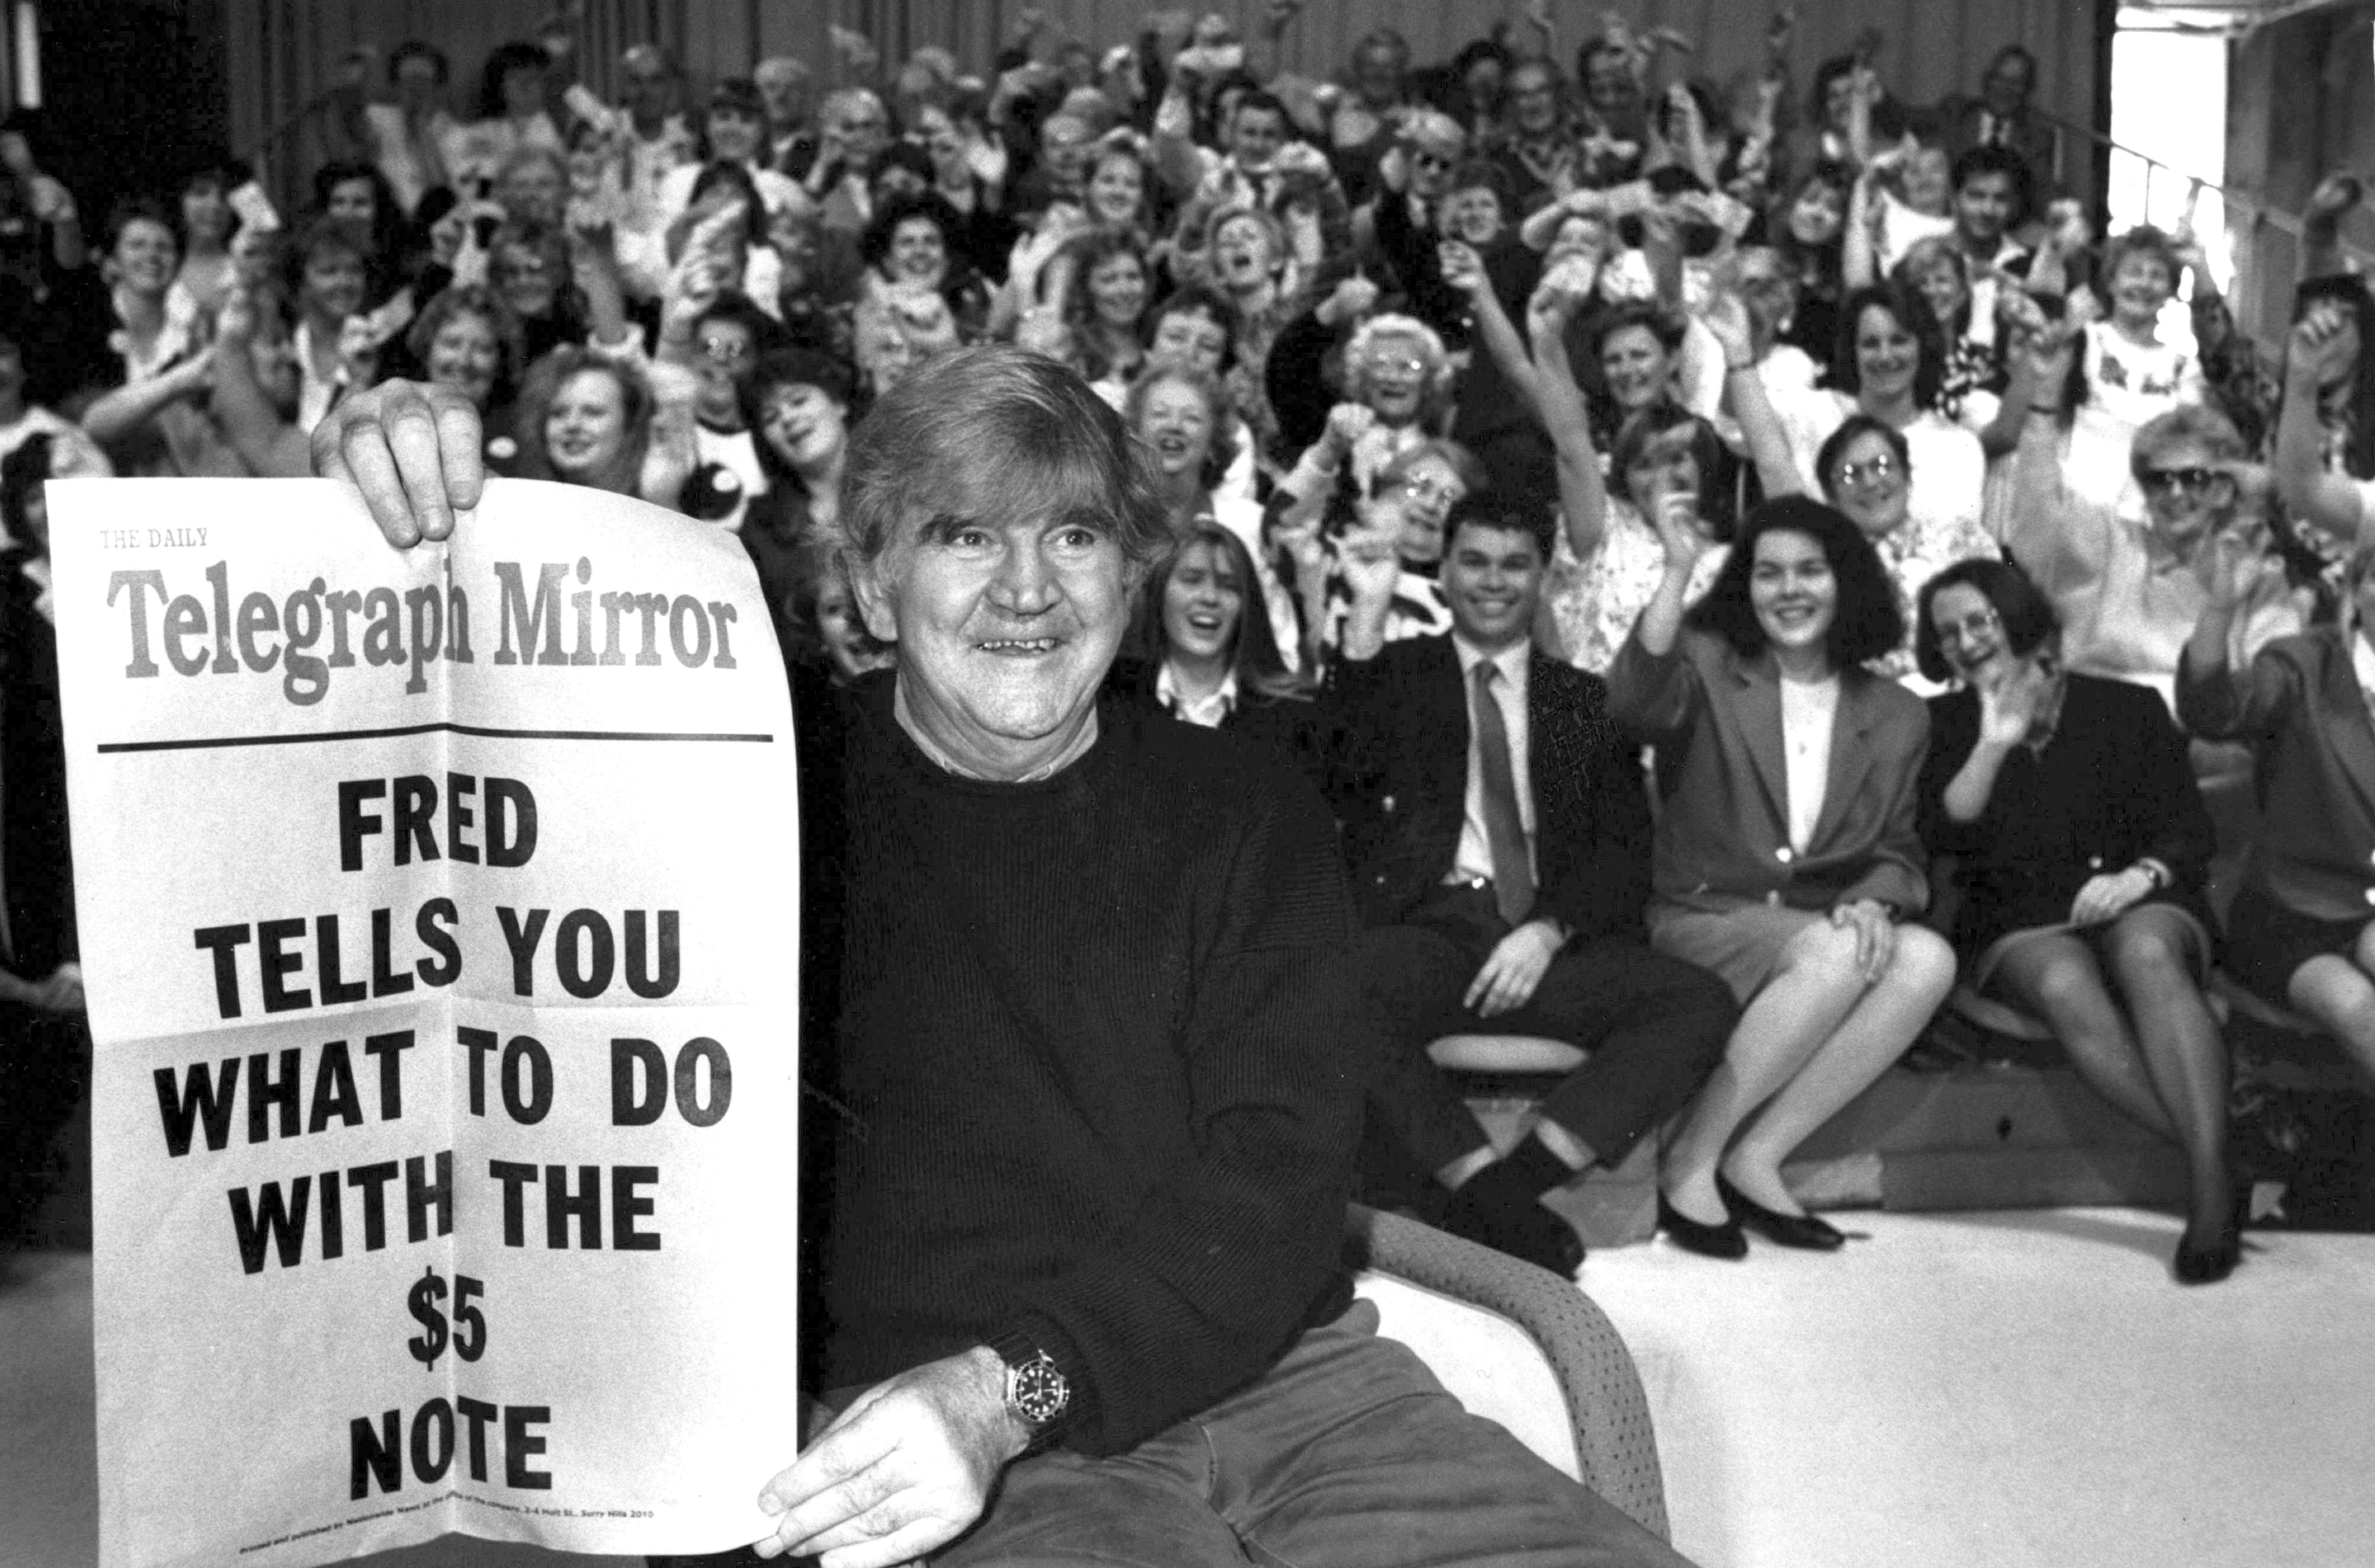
[(1005, 627)]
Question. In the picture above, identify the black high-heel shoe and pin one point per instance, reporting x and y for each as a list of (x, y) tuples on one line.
[(1722, 1241), (2207, 1265), (1801, 1231)]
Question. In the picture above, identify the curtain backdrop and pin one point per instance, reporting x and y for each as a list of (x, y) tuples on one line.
[(283, 53)]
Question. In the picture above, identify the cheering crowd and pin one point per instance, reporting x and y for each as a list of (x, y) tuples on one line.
[(1735, 558), (1694, 571)]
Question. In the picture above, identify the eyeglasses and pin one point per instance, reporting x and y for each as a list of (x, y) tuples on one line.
[(1429, 161), (727, 353), (1422, 488), (1971, 628), (1869, 471), (2176, 481), (1409, 367)]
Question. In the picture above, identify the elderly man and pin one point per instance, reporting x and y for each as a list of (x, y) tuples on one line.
[(1083, 1269), (784, 85)]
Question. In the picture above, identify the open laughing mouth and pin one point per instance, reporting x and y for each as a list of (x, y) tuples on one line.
[(1019, 647)]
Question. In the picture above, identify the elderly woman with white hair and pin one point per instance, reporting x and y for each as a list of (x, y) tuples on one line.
[(1397, 380)]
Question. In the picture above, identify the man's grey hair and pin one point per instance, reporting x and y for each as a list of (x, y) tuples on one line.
[(990, 435)]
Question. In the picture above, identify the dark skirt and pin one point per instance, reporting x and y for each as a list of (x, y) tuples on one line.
[(2268, 943)]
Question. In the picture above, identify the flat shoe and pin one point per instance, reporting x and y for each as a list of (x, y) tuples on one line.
[(1722, 1241), (1801, 1231)]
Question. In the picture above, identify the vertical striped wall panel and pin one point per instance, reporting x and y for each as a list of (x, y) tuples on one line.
[(283, 53)]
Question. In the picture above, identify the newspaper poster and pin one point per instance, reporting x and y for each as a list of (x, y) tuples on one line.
[(439, 914)]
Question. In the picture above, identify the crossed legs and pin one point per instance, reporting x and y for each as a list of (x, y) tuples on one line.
[(2168, 1071)]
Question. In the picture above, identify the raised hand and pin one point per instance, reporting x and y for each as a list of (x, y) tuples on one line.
[(1352, 299), (2051, 350), (2234, 568), (2316, 347), (1462, 268), (2008, 706), (1675, 515), (1347, 423), (1725, 316)]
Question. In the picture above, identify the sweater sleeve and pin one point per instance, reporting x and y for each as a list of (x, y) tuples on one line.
[(1953, 733), (1292, 376), (1653, 695), (2225, 703), (2182, 836), (1227, 1259)]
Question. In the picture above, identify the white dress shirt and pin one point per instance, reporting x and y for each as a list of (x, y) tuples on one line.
[(1808, 709)]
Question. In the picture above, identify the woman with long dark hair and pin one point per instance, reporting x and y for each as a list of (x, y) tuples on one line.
[(1208, 658), (797, 402), (1786, 855)]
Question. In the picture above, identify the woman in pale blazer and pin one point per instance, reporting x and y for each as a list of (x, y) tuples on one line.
[(1786, 856), (2301, 932)]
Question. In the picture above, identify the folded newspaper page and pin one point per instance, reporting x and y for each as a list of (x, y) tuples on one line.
[(439, 914)]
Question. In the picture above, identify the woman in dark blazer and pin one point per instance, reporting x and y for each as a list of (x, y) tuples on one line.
[(1786, 853), (1207, 656), (2299, 931), (2084, 848)]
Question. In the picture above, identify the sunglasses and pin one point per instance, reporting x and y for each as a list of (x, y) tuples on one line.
[(2180, 481)]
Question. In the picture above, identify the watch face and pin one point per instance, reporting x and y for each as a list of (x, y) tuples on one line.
[(1038, 1390)]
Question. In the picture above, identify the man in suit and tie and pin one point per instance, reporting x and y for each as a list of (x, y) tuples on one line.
[(1498, 836), (2000, 116)]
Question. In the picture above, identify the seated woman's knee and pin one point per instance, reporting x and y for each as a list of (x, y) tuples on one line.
[(2151, 939), (2063, 983), (2363, 951), (1922, 961), (1827, 951)]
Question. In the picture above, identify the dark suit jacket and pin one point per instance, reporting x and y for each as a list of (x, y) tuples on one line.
[(1958, 119), (2300, 708), (1723, 834), (1400, 785), (1298, 733)]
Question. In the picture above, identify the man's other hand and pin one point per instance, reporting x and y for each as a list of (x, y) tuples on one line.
[(905, 1469), (1513, 968), (412, 450)]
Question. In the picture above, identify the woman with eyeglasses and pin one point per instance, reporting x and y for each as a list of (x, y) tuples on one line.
[(1867, 471), (1889, 365), (2084, 849), (1786, 857), (1397, 380), (2301, 935), (1375, 581), (2128, 592)]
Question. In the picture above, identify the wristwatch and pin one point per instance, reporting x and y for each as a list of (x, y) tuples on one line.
[(1037, 1393)]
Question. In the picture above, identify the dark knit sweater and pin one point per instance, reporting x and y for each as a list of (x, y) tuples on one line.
[(1092, 1035)]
